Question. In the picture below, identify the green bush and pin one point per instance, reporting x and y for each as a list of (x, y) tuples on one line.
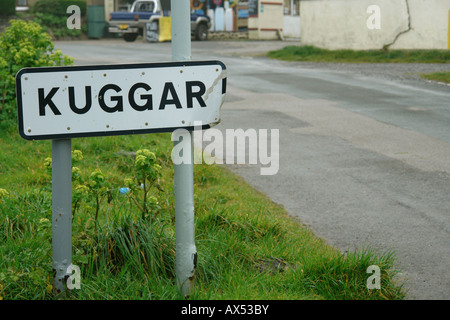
[(23, 44), (52, 16), (7, 7), (58, 7), (56, 25)]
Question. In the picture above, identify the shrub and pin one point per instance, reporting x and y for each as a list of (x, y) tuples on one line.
[(7, 7), (147, 172), (52, 16), (57, 7), (56, 25), (23, 44)]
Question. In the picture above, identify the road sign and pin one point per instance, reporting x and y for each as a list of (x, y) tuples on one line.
[(80, 101)]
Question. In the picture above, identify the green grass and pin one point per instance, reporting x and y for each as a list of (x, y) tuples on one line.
[(313, 54), (437, 76), (248, 247)]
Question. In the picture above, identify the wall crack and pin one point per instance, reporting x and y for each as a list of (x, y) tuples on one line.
[(386, 46)]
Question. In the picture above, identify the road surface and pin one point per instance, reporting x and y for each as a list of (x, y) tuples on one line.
[(364, 150)]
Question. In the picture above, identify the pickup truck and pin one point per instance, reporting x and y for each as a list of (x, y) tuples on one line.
[(131, 24)]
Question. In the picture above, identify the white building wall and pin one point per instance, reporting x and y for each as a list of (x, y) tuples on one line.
[(429, 26), (291, 27), (109, 7), (268, 22), (404, 24)]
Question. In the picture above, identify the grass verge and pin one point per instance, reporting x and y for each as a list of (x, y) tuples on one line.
[(313, 54), (437, 76), (248, 247)]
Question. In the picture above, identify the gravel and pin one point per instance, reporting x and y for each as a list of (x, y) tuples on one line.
[(397, 71)]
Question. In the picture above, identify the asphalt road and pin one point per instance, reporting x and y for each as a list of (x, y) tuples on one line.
[(364, 150)]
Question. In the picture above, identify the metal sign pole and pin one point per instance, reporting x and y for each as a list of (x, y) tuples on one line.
[(186, 252), (61, 211)]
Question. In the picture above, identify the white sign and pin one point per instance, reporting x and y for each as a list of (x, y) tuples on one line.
[(80, 101)]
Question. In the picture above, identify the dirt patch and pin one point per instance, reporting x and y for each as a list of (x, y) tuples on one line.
[(222, 35)]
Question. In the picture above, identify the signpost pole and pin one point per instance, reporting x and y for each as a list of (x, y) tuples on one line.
[(61, 211), (186, 252)]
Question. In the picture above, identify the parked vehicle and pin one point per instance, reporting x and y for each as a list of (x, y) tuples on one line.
[(131, 24)]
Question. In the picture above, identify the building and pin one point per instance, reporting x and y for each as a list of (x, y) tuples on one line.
[(24, 5), (271, 19), (291, 19), (376, 24), (330, 24)]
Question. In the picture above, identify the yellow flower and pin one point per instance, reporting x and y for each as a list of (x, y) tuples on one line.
[(3, 193), (97, 174), (140, 160), (76, 170), (77, 155), (81, 190), (76, 174), (147, 153), (48, 163)]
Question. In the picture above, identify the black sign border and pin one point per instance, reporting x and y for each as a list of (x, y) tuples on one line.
[(100, 68)]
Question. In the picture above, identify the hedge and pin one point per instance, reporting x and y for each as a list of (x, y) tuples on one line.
[(57, 7), (7, 7)]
